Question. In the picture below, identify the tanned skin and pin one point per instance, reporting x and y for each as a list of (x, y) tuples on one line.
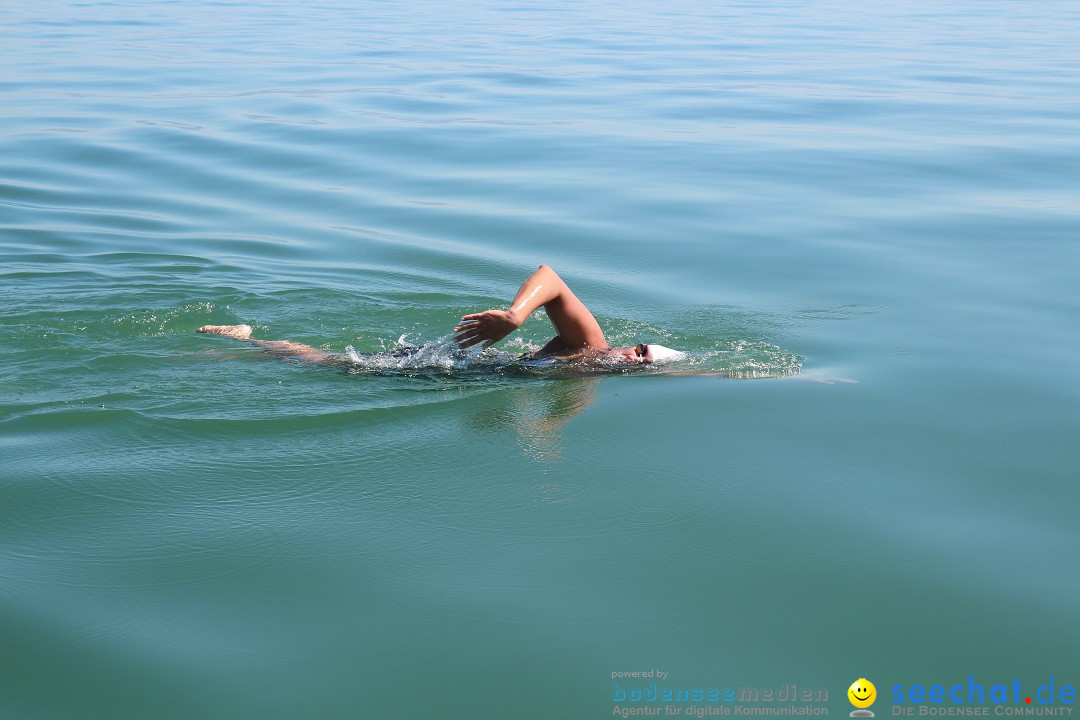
[(578, 332)]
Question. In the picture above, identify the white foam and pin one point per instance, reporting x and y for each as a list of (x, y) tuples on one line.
[(440, 355)]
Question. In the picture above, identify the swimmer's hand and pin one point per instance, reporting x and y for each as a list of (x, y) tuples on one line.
[(488, 327)]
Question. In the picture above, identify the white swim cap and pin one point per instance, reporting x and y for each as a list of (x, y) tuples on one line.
[(665, 354)]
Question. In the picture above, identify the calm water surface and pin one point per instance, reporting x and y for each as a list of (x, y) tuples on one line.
[(861, 222)]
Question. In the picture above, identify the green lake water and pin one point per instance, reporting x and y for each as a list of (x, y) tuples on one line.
[(862, 223)]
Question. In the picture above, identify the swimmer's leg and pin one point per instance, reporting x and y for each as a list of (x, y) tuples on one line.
[(239, 332), (284, 348)]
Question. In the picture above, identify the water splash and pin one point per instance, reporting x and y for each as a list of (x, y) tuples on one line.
[(439, 356), (734, 359), (745, 359)]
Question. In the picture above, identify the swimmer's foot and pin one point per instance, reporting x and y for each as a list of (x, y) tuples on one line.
[(239, 332)]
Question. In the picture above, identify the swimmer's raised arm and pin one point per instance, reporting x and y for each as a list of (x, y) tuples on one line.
[(577, 328)]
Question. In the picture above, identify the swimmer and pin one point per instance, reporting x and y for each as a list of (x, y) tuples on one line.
[(578, 337)]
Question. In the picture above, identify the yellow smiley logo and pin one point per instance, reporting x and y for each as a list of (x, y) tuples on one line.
[(862, 693)]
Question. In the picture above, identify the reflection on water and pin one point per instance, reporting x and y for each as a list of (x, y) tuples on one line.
[(539, 413)]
